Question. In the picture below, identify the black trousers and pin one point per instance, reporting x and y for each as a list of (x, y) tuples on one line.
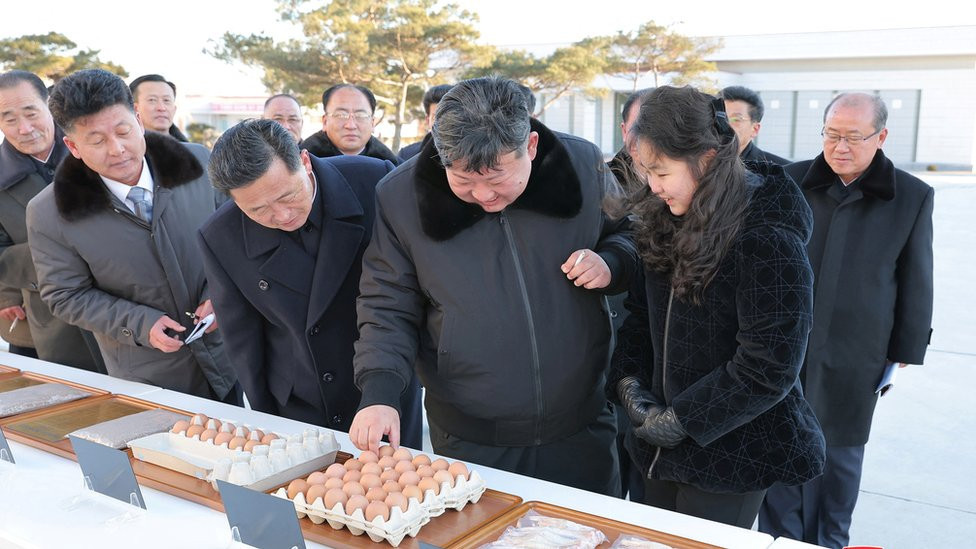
[(586, 460), (733, 509), (818, 511)]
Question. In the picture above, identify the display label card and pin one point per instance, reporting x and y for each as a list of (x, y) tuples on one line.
[(5, 453), (107, 471), (261, 520)]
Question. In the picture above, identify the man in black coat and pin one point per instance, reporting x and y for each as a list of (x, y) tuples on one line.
[(431, 98), (347, 125), (745, 110), (871, 252), (283, 262)]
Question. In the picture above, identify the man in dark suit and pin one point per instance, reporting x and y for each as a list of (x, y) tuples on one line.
[(283, 261), (871, 253), (745, 110)]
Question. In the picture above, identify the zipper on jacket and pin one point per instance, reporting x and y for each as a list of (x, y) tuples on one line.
[(536, 368), (664, 370)]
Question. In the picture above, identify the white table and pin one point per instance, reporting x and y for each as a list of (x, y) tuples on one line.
[(33, 517)]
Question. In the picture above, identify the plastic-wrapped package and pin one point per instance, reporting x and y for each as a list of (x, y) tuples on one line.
[(34, 397), (535, 530), (626, 541), (118, 432)]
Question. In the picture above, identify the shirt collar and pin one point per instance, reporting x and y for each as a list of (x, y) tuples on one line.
[(121, 190)]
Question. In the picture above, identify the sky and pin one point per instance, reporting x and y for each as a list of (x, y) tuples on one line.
[(169, 37)]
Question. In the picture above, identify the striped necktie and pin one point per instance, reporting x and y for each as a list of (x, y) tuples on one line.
[(142, 201)]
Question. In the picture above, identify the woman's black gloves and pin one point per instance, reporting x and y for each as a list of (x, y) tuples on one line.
[(653, 421)]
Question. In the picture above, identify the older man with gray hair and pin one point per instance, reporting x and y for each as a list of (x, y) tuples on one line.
[(488, 269)]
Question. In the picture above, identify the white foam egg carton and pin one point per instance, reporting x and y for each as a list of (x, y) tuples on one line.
[(401, 523)]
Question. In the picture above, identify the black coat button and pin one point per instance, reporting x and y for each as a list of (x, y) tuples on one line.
[(328, 377), (314, 331), (262, 285), (336, 419)]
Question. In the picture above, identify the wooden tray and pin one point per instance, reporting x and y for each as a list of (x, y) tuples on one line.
[(611, 528), (8, 368), (17, 380)]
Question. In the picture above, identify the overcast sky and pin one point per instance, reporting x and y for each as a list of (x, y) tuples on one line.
[(168, 37)]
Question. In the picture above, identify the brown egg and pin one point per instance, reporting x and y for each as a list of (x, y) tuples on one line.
[(250, 444), (413, 492), (425, 471), (194, 430), (296, 486), (356, 502), (334, 496), (333, 482), (429, 484), (227, 427), (372, 469), (402, 454), (318, 477), (386, 451), (336, 470), (222, 438), (256, 434), (458, 469), (403, 466), (180, 426), (443, 476), (208, 434), (353, 465), (351, 476), (420, 459), (314, 492), (389, 474), (387, 462), (353, 488), (409, 478), (370, 481), (376, 494), (268, 438), (392, 486), (213, 424), (236, 442), (368, 457), (395, 499), (377, 509), (199, 419), (439, 464)]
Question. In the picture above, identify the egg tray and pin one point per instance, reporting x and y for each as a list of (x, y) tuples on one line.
[(401, 523)]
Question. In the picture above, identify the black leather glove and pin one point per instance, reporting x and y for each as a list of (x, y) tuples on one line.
[(661, 428), (637, 401)]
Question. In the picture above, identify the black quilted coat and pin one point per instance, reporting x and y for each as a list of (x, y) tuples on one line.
[(729, 366)]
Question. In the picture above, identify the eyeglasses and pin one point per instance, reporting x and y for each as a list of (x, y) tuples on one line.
[(852, 140), (342, 116), (737, 119)]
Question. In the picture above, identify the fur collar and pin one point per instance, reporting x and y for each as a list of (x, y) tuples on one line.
[(553, 188), (80, 192), (878, 180)]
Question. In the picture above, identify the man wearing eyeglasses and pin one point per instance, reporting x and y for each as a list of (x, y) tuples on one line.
[(347, 126), (745, 110), (871, 253)]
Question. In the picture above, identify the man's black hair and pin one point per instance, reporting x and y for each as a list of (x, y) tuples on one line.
[(434, 95), (362, 89), (150, 78), (742, 93), (87, 92)]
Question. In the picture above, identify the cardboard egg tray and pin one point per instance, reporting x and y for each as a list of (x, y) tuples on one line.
[(401, 523)]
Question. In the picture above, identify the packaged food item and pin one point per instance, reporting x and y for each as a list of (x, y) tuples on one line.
[(627, 541), (116, 433), (534, 530), (36, 397)]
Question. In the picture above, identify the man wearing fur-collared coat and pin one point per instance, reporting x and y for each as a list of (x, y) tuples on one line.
[(129, 274)]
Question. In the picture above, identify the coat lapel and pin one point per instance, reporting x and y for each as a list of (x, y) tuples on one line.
[(287, 265)]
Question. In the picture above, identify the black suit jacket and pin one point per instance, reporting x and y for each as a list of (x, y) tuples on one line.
[(288, 338)]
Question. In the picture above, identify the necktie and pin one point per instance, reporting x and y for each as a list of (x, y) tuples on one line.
[(142, 201)]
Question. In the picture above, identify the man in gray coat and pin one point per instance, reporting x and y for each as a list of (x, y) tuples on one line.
[(488, 269), (114, 241), (31, 150)]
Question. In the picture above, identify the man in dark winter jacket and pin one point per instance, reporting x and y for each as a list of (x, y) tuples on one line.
[(431, 98), (871, 253), (347, 125), (487, 272), (745, 111)]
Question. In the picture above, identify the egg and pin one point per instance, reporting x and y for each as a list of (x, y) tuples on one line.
[(458, 469), (420, 459), (403, 466), (439, 464), (222, 438), (377, 509), (296, 486), (409, 478), (256, 434), (353, 465), (402, 454), (180, 426), (395, 499), (241, 431), (356, 502), (413, 492), (372, 469), (353, 488), (389, 474), (351, 476), (386, 451), (314, 492), (208, 434), (369, 480), (199, 419), (266, 439), (333, 482), (334, 496), (368, 457), (318, 477), (376, 494), (249, 444), (236, 442), (194, 430), (429, 484), (227, 427), (336, 470), (213, 424), (387, 462), (392, 486), (425, 471), (443, 476)]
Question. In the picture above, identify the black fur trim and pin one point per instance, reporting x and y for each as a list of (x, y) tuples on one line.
[(553, 188)]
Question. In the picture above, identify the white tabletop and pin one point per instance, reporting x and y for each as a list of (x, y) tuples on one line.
[(76, 375)]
